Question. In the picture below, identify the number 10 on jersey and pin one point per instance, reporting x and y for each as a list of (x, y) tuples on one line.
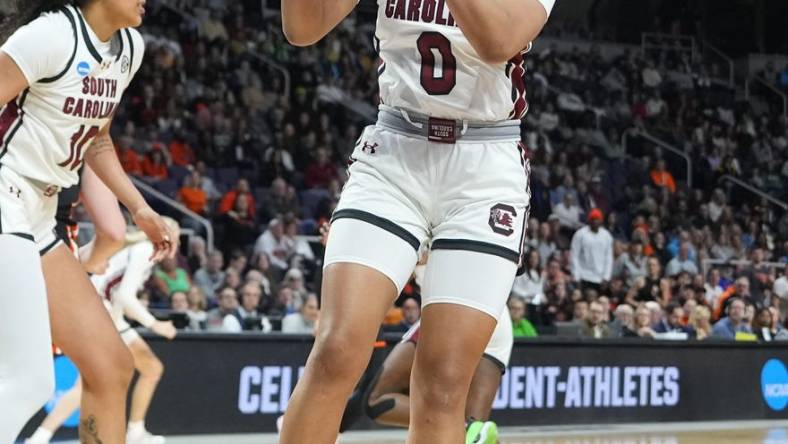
[(431, 44), (78, 142)]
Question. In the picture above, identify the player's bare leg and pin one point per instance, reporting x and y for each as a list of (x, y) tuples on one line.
[(355, 299), (443, 369), (484, 386), (151, 369), (387, 402), (83, 330)]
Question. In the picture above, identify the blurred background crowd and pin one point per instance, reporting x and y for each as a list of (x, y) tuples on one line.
[(643, 221)]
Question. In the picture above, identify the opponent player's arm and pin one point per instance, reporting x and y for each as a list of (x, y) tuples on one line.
[(305, 22), (499, 29), (103, 159), (126, 293), (12, 80), (102, 207)]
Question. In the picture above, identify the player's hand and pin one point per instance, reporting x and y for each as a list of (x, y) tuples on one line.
[(164, 328), (165, 242)]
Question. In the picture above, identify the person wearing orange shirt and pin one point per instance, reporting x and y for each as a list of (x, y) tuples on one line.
[(154, 165), (228, 201), (129, 159), (181, 152), (662, 178), (192, 195)]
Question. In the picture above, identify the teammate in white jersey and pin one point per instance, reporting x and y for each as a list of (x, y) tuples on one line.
[(62, 73), (443, 164), (126, 273)]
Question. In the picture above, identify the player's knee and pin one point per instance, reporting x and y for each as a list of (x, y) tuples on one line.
[(440, 386), (338, 358), (154, 369)]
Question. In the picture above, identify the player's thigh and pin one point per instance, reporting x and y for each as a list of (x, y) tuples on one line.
[(81, 326), (394, 375)]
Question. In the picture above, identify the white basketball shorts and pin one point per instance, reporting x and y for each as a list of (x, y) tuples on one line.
[(27, 209), (468, 200)]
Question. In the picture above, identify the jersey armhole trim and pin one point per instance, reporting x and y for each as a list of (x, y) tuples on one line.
[(70, 17)]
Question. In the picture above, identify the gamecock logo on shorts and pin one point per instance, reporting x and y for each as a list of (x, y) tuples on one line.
[(502, 219)]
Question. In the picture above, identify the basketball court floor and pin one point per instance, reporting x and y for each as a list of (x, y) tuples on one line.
[(731, 432)]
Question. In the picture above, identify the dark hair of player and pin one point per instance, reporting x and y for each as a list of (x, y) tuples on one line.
[(25, 11)]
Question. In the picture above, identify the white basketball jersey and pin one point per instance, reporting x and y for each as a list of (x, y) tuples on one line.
[(429, 66), (75, 85), (127, 272)]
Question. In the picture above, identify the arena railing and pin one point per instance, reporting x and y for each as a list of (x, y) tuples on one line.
[(771, 199), (769, 87), (707, 264), (634, 132), (708, 47), (180, 208)]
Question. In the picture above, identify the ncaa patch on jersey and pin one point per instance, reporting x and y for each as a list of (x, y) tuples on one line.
[(502, 219), (83, 69), (124, 64)]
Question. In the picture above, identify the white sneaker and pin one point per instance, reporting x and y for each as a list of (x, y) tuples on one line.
[(145, 438)]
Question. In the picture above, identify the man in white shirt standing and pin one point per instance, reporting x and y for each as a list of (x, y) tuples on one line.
[(592, 253)]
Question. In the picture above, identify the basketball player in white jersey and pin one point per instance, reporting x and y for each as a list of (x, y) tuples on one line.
[(443, 163), (125, 275), (63, 71)]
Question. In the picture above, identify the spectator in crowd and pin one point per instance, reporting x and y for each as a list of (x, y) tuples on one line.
[(544, 242), (592, 253), (662, 178), (594, 325), (230, 201), (284, 303), (411, 313), (760, 275), (154, 165), (294, 280), (300, 246), (682, 262), (672, 323), (238, 225), (320, 172), (305, 320), (765, 326), (196, 308), (211, 277), (224, 318), (624, 319), (248, 314), (713, 287), (232, 279), (192, 195), (642, 325), (733, 322), (568, 212), (631, 264), (268, 280), (181, 152), (740, 289), (651, 288), (179, 302), (169, 277), (130, 160), (206, 182), (282, 199), (530, 285), (700, 322), (579, 311), (780, 290), (522, 327), (275, 245)]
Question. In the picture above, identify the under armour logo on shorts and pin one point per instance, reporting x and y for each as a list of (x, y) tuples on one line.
[(370, 147)]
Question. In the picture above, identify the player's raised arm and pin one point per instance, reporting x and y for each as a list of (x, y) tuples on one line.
[(305, 22), (499, 29)]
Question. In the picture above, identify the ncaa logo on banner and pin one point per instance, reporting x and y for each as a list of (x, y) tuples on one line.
[(774, 384)]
